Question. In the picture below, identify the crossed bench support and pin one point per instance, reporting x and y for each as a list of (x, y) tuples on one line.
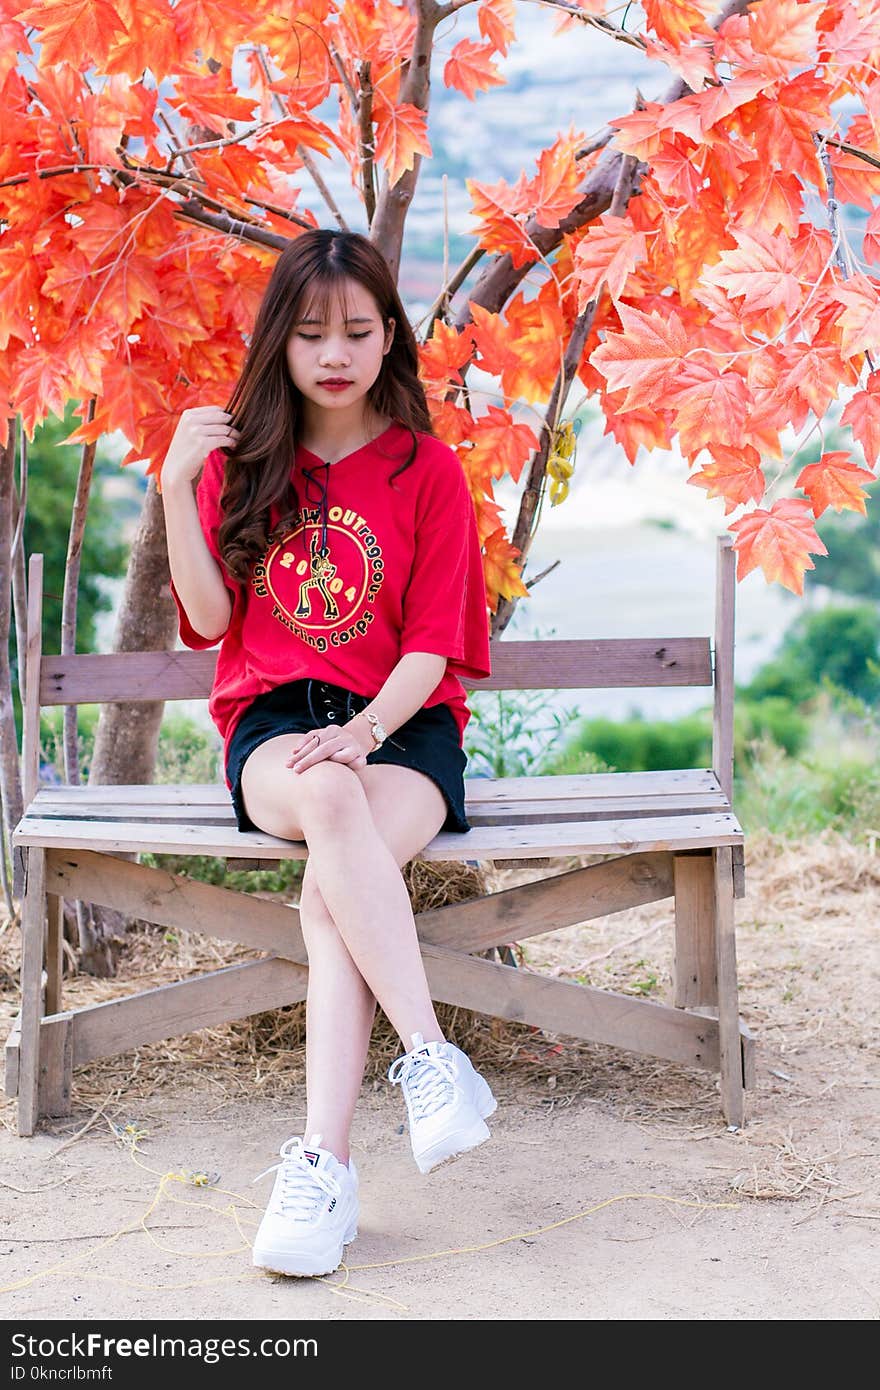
[(671, 834)]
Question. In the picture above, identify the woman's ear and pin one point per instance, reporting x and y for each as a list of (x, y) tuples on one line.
[(389, 335)]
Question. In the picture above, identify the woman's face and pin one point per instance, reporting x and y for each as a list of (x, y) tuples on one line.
[(347, 347)]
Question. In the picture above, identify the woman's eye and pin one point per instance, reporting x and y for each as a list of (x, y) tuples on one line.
[(314, 337)]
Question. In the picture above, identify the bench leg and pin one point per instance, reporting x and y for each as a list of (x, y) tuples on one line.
[(33, 916), (693, 975), (728, 998), (54, 952)]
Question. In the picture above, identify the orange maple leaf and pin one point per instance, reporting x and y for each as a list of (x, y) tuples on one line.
[(783, 35), (860, 321), (42, 383), (856, 181), (862, 414), (609, 250), (401, 135), (635, 428), (696, 237), (761, 271), (855, 37), (214, 27), (149, 40), (693, 62), (639, 133), (734, 474), (495, 19), (500, 207), (768, 198), (442, 357), (707, 404), (645, 358), (556, 188), (73, 31), (452, 423), (799, 377), (780, 541), (500, 445), (470, 68), (678, 21), (780, 124), (835, 481), (675, 169), (19, 289), (536, 331), (503, 574), (492, 340)]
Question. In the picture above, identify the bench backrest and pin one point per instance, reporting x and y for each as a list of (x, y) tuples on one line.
[(567, 664)]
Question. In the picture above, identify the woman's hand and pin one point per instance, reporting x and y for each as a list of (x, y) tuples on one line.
[(199, 431), (342, 744)]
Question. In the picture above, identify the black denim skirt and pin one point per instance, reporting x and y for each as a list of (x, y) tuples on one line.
[(427, 742)]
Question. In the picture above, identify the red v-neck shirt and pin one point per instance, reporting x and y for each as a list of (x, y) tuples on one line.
[(404, 574)]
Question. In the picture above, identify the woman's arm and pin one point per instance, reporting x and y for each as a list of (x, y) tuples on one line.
[(414, 678), (195, 573)]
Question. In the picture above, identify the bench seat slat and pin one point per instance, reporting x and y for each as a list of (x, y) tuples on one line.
[(492, 813), (478, 790), (482, 842)]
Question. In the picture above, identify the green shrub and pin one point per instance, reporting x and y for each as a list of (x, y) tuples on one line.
[(838, 647), (638, 744), (188, 752), (512, 734), (773, 717)]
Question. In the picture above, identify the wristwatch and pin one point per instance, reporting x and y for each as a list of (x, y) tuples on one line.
[(377, 728)]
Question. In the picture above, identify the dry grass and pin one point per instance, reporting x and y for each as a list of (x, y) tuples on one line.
[(809, 964)]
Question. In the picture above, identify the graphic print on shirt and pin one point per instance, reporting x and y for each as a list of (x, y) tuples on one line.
[(322, 571), (325, 602)]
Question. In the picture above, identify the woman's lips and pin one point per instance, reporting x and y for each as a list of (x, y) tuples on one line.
[(335, 385)]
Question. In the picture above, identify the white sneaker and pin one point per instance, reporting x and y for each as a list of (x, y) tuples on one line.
[(312, 1213), (448, 1102)]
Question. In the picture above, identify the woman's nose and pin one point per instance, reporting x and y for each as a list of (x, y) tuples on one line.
[(334, 354)]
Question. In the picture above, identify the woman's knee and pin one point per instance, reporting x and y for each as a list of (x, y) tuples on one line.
[(329, 795), (294, 804)]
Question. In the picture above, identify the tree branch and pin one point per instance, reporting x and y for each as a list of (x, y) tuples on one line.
[(367, 140), (386, 230), (306, 158), (833, 206), (322, 187), (453, 284), (533, 493), (501, 278), (612, 31), (852, 149)]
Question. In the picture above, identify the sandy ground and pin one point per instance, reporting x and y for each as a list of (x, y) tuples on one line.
[(611, 1188)]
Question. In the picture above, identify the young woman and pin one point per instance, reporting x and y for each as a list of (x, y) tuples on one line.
[(331, 548)]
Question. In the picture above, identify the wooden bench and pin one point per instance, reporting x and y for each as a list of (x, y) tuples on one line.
[(670, 834)]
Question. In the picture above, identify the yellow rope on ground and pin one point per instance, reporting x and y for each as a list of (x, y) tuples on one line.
[(130, 1136)]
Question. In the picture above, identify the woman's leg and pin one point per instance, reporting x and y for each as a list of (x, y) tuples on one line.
[(357, 919), (340, 1008)]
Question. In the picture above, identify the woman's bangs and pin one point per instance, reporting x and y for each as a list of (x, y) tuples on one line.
[(324, 298)]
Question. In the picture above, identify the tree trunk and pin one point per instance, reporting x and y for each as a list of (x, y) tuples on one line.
[(127, 737), (128, 734)]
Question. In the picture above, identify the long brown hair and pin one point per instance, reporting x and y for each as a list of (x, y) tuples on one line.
[(266, 405)]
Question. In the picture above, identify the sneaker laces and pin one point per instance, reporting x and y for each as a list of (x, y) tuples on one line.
[(303, 1189), (428, 1081)]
